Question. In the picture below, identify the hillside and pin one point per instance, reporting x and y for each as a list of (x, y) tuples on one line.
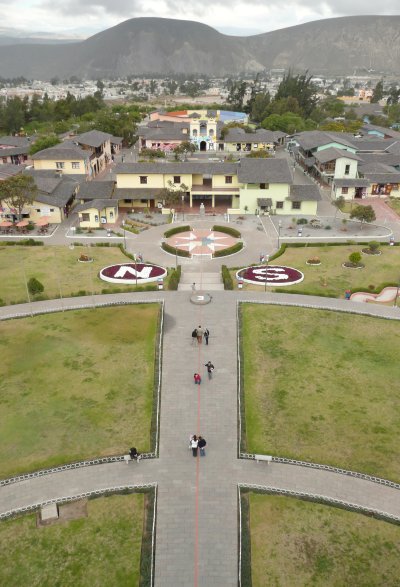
[(155, 45)]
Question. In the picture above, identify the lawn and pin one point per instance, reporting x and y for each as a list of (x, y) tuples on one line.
[(100, 549), (299, 543), (76, 384), (394, 204), (57, 268), (322, 386), (330, 278)]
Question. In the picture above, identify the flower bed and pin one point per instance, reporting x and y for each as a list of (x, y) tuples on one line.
[(349, 265), (271, 275), (371, 252), (85, 259), (314, 261)]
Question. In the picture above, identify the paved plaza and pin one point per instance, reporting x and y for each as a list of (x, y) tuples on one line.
[(197, 498)]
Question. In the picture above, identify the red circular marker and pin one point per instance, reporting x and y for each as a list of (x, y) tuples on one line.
[(132, 273), (271, 275)]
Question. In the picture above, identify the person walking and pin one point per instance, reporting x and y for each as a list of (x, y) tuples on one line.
[(194, 335), (194, 443), (201, 443), (197, 378), (210, 369), (193, 287), (206, 335), (199, 334)]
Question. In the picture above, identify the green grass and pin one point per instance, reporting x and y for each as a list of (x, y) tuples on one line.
[(322, 386), (57, 268), (394, 204), (76, 384), (330, 278), (307, 544), (101, 549)]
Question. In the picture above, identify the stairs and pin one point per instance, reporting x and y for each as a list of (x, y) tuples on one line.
[(204, 281)]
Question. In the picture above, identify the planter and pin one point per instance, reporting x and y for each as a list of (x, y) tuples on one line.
[(369, 252), (85, 259), (349, 265), (315, 263)]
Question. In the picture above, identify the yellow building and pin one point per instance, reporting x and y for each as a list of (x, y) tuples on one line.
[(97, 213), (65, 159), (251, 185)]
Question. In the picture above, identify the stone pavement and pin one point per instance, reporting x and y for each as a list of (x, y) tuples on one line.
[(196, 531)]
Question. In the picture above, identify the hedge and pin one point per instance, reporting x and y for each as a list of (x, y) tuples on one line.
[(226, 277), (227, 230), (174, 251), (29, 242), (229, 251), (176, 229)]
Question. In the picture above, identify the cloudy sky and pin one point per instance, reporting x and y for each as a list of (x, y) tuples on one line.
[(71, 18)]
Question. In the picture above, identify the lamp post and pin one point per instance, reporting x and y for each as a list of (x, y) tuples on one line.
[(279, 233), (136, 269), (397, 293), (266, 272), (176, 257), (123, 230), (183, 207)]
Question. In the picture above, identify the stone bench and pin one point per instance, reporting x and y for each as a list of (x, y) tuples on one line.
[(266, 458)]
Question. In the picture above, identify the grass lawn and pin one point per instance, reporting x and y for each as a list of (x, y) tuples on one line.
[(322, 387), (76, 384), (57, 268), (394, 204), (330, 278), (300, 543), (100, 549)]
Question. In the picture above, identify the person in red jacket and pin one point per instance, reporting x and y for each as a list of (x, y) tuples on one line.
[(197, 378)]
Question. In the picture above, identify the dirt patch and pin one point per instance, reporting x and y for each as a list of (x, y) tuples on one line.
[(66, 512)]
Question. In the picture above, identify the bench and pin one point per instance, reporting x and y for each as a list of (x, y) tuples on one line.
[(127, 459), (266, 458)]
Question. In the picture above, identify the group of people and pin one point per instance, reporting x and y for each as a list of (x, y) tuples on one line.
[(197, 443), (210, 368), (198, 334)]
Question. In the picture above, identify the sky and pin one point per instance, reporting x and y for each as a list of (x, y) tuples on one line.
[(82, 18)]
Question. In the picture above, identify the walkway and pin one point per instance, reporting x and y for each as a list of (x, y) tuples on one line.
[(196, 541)]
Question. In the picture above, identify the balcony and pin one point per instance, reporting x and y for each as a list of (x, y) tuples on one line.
[(207, 188)]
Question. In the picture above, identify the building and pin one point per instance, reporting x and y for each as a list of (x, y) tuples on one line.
[(14, 150), (66, 158)]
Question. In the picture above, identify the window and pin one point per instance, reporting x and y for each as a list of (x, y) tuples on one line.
[(75, 165), (264, 186), (228, 179), (345, 190), (38, 210), (211, 132), (51, 209), (85, 217), (279, 205), (347, 170), (195, 132), (143, 179), (296, 205), (60, 164), (177, 179)]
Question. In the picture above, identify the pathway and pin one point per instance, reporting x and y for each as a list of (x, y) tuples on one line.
[(196, 541)]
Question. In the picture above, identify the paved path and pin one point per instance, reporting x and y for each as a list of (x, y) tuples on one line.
[(196, 541)]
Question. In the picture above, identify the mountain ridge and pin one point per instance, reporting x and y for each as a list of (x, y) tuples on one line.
[(146, 46)]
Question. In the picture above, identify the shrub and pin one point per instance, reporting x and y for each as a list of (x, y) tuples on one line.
[(227, 230), (226, 277), (355, 258), (175, 230), (168, 249), (175, 278), (302, 221), (327, 227), (34, 286), (373, 246), (229, 251)]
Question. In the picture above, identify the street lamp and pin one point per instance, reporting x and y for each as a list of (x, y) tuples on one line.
[(266, 272), (397, 293), (279, 233), (183, 207), (123, 230)]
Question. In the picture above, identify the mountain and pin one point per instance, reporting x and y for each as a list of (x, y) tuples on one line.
[(155, 45)]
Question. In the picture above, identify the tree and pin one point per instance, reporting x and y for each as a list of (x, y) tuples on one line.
[(17, 192), (172, 195), (378, 93), (236, 94), (34, 286), (299, 87), (183, 149), (259, 106), (363, 214), (44, 142)]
